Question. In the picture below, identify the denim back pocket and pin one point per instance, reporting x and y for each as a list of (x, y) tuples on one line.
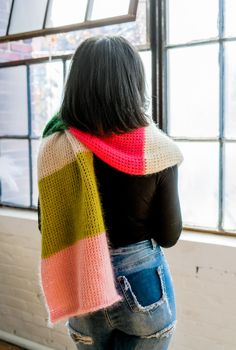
[(144, 290)]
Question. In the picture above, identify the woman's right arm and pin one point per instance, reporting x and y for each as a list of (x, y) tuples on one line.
[(165, 215)]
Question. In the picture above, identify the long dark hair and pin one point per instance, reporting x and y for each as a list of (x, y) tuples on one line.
[(105, 89)]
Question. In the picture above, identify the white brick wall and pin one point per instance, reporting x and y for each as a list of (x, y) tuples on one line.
[(204, 275), (205, 281), (22, 311)]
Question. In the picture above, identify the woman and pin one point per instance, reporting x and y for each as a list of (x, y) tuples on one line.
[(108, 198)]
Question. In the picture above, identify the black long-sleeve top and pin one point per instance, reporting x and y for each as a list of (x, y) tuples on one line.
[(136, 208)]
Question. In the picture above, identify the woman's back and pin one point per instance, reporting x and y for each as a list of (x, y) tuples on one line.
[(139, 207)]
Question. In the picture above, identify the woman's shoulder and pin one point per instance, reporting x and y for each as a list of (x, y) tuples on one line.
[(53, 153)]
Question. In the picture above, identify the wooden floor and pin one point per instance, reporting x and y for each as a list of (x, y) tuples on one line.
[(7, 346)]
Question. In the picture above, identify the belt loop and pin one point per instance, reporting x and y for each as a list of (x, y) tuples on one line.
[(154, 243)]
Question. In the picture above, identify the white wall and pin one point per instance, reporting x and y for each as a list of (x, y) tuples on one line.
[(204, 275), (22, 311), (203, 269)]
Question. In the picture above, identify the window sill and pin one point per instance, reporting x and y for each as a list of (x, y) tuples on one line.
[(187, 235), (201, 237), (18, 213)]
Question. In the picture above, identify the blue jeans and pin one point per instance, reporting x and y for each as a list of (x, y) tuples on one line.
[(146, 317)]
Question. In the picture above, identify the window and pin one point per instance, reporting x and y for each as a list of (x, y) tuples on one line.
[(188, 48), (32, 75), (31, 94), (199, 45), (52, 16)]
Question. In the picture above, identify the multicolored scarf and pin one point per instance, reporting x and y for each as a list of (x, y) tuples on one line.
[(76, 271)]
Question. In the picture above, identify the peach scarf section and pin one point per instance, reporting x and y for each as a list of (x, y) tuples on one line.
[(72, 269)]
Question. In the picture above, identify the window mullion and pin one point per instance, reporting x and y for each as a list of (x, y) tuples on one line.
[(64, 71), (29, 135), (157, 33), (89, 9), (165, 75), (9, 18), (221, 116), (133, 7), (46, 14), (155, 59)]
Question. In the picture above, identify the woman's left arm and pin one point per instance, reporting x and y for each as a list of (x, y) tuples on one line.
[(165, 216)]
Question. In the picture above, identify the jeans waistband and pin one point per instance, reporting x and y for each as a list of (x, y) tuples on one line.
[(136, 247), (136, 256)]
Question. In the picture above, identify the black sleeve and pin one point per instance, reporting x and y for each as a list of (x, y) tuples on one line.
[(39, 216), (165, 215)]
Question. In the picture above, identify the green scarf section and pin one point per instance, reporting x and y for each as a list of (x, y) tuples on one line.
[(53, 125)]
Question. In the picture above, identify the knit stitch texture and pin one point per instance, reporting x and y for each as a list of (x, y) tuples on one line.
[(76, 271)]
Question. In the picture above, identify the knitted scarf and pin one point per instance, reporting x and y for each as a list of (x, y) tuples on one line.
[(76, 274)]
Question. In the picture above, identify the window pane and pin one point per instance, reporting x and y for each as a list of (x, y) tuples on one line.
[(5, 6), (66, 43), (61, 13), (35, 147), (15, 182), (146, 58), (27, 15), (193, 101), (46, 91), (230, 23), (198, 183), (191, 20), (230, 187), (13, 101), (230, 90), (107, 8)]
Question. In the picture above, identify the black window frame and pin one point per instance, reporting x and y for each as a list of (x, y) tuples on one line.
[(87, 23)]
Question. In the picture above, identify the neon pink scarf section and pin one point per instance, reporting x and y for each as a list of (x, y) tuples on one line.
[(143, 151)]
